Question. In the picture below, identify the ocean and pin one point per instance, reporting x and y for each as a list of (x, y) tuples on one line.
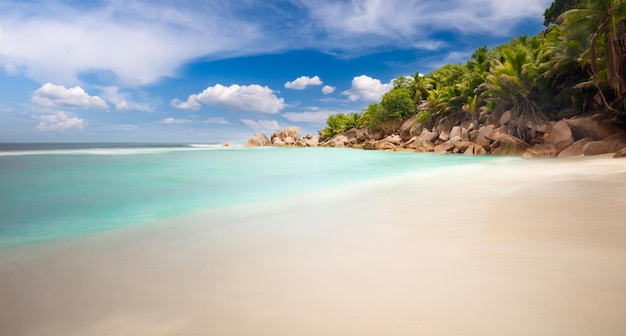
[(56, 191)]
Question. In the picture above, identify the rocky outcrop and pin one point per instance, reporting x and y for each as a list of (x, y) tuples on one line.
[(427, 135), (462, 146), (540, 151), (495, 133), (445, 129), (310, 141), (394, 139), (481, 137), (576, 149), (345, 139), (258, 140), (370, 144), (227, 143), (448, 146), (362, 135), (460, 132), (560, 137), (410, 128), (425, 146), (595, 127), (620, 153), (287, 136), (590, 135), (509, 145), (475, 150), (611, 144), (276, 141), (338, 141)]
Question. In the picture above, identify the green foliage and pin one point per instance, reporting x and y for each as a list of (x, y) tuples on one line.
[(557, 8), (397, 104), (605, 23), (516, 83), (339, 123), (423, 116), (373, 116), (581, 57)]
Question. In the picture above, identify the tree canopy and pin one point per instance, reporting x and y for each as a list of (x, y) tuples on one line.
[(557, 8), (577, 66)]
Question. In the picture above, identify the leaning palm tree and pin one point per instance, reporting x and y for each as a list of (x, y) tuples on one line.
[(514, 83), (606, 22), (569, 74)]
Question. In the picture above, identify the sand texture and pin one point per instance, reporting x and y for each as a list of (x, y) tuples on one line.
[(523, 248)]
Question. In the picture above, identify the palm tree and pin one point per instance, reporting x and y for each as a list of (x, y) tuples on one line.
[(514, 84), (339, 123), (606, 22), (569, 74)]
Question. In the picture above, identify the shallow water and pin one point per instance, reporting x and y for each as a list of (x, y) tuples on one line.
[(52, 191), (490, 248)]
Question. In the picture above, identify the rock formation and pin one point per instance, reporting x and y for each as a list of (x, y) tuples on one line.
[(582, 135), (257, 140)]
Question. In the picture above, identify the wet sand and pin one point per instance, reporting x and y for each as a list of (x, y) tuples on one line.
[(520, 248)]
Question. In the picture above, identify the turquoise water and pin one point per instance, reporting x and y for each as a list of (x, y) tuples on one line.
[(57, 191)]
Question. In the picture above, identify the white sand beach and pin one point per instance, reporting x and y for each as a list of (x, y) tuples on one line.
[(523, 248)]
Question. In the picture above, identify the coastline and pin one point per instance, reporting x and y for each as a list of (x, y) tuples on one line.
[(530, 247)]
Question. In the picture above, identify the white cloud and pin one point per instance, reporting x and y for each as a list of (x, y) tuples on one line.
[(302, 82), (60, 122), (414, 20), (327, 89), (139, 42), (430, 45), (51, 95), (175, 121), (192, 103), (261, 125), (123, 101), (367, 88), (253, 98), (169, 121)]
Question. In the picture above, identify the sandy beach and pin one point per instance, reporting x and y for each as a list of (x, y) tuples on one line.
[(523, 248)]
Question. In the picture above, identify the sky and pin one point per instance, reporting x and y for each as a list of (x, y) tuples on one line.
[(218, 70)]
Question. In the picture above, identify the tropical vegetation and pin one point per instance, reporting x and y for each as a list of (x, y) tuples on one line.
[(576, 65)]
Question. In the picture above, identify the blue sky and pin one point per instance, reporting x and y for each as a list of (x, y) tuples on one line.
[(211, 71)]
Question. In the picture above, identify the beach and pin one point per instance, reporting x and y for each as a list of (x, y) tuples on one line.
[(532, 247)]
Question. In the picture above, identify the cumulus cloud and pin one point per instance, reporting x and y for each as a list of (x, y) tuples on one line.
[(175, 121), (253, 98), (302, 82), (59, 122), (261, 125), (51, 95), (367, 88), (327, 89), (138, 42)]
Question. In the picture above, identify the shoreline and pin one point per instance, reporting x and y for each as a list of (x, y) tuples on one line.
[(516, 248)]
